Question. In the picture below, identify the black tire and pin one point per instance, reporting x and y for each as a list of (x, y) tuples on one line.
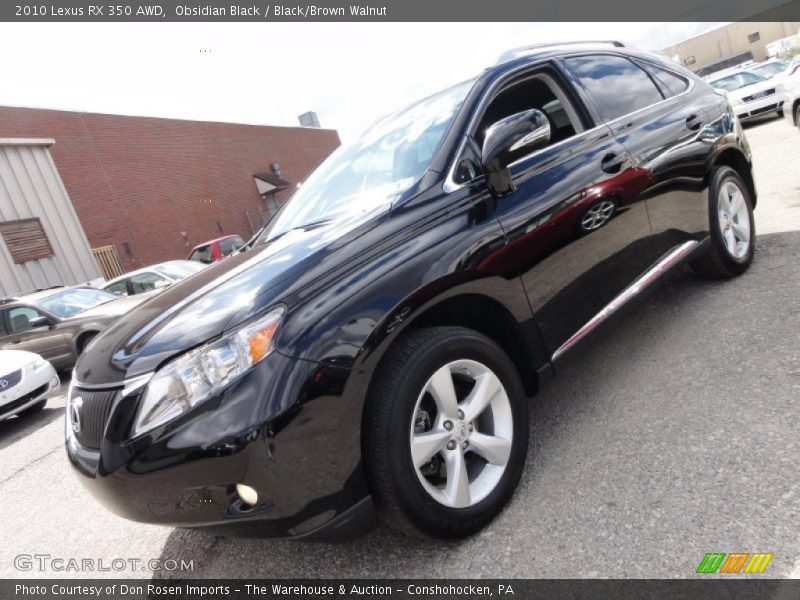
[(32, 410), (400, 497), (797, 116), (84, 341), (718, 262)]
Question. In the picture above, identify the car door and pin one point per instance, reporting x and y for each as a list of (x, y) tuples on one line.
[(569, 272), (657, 116), (47, 341)]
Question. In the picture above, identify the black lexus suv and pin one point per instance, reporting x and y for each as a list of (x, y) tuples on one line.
[(373, 351)]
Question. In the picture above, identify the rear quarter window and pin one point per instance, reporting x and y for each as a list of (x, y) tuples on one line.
[(616, 84)]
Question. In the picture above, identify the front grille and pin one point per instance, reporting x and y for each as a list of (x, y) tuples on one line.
[(765, 109), (10, 380), (759, 95), (7, 408), (93, 412)]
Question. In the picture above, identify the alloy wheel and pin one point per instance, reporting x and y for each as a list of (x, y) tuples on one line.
[(597, 215), (734, 219), (461, 433)]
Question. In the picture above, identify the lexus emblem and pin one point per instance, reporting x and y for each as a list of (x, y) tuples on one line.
[(3, 384), (75, 413)]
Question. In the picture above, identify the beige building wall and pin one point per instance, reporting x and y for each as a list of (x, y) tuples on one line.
[(730, 40)]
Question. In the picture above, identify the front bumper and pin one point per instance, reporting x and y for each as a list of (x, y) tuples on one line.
[(290, 429), (761, 108), (34, 386)]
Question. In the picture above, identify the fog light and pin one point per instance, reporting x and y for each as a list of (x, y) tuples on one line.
[(247, 494)]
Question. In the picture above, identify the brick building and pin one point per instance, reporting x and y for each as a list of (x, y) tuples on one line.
[(153, 188)]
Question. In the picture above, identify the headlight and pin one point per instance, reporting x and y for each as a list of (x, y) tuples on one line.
[(200, 373)]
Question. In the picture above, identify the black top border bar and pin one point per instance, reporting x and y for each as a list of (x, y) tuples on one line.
[(398, 10)]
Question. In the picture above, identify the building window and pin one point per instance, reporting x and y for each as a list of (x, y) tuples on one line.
[(753, 37), (25, 240)]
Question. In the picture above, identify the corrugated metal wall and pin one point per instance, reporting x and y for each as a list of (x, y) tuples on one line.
[(30, 186)]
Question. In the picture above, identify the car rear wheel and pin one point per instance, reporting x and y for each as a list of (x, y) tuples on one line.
[(445, 432), (733, 232), (797, 116)]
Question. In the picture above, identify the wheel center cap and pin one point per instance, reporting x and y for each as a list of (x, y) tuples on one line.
[(460, 431)]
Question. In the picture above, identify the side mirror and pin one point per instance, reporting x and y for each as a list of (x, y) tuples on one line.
[(161, 284), (40, 322), (527, 130)]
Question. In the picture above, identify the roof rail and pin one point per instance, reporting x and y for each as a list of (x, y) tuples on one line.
[(522, 50)]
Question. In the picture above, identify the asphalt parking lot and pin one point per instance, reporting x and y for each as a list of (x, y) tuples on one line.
[(676, 435)]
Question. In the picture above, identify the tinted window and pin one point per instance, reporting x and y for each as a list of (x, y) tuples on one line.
[(144, 282), (671, 84), (119, 288), (229, 245), (201, 254), (20, 318), (618, 86)]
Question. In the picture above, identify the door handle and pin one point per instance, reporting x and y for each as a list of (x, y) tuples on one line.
[(693, 122), (612, 162)]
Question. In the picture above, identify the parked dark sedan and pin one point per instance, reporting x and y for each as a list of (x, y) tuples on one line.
[(373, 352), (58, 323)]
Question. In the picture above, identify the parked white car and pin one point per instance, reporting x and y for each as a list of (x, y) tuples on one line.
[(774, 68), (154, 277), (751, 95), (790, 88), (26, 380)]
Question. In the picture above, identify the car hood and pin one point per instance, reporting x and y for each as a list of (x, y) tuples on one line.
[(115, 308), (12, 360), (219, 297)]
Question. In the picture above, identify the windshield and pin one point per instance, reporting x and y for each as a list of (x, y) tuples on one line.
[(737, 80), (72, 302), (179, 269), (380, 165), (771, 69)]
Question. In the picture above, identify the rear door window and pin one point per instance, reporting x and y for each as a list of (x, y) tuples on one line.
[(670, 83), (618, 86)]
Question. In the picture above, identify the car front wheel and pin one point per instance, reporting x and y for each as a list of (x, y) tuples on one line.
[(445, 432)]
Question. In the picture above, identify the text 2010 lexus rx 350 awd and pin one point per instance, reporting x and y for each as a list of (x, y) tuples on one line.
[(374, 348)]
